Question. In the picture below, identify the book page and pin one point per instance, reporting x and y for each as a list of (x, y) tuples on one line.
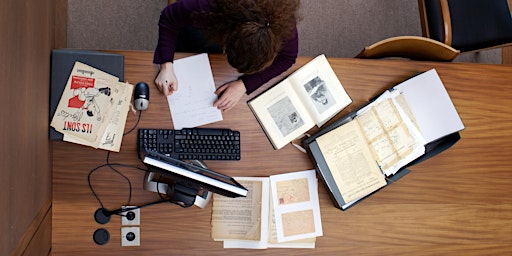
[(281, 114), (241, 218), (192, 104), (320, 90), (296, 205), (351, 162)]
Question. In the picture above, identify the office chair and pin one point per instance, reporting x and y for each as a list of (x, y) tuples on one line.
[(467, 25), (410, 47)]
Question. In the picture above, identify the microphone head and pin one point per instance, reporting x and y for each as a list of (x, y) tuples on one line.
[(102, 216)]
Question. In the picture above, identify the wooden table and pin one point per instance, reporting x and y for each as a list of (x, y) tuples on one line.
[(456, 203)]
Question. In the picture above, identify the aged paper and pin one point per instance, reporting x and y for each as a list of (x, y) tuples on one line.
[(192, 104), (272, 235), (351, 162), (231, 223), (84, 103), (292, 191), (296, 205), (238, 218), (93, 108), (386, 133), (377, 143), (391, 132)]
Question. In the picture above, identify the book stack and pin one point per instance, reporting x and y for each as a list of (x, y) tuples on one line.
[(280, 211), (93, 108)]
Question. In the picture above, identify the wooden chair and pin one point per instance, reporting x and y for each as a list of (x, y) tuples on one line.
[(467, 25), (410, 47)]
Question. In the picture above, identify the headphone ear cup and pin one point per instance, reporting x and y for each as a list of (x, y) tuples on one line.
[(150, 184)]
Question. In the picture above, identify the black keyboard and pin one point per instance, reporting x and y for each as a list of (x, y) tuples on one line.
[(192, 143)]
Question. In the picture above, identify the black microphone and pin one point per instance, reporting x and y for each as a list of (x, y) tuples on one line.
[(102, 215)]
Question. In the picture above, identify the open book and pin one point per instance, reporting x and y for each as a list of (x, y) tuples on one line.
[(310, 96), (279, 211)]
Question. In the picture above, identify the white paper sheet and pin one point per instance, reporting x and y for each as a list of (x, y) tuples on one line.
[(296, 205), (192, 104), (429, 101)]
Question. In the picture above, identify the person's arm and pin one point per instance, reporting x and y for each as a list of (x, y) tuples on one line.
[(172, 19), (284, 60)]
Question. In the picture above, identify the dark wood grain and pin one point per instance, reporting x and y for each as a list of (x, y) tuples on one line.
[(456, 203)]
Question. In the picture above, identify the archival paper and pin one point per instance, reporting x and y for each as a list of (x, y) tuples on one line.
[(376, 143), (250, 222), (192, 104), (93, 108), (242, 218), (296, 205)]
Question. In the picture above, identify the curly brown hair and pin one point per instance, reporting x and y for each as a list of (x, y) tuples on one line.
[(251, 31)]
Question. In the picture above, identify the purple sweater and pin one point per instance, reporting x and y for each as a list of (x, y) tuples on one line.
[(177, 15)]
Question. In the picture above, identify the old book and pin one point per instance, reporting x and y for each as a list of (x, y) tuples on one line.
[(63, 61), (310, 96), (380, 140), (279, 211), (93, 108)]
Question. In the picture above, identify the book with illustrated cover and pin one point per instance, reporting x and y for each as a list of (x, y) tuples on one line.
[(310, 96), (93, 108)]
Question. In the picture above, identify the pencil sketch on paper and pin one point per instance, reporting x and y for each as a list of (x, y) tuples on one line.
[(285, 116), (320, 94)]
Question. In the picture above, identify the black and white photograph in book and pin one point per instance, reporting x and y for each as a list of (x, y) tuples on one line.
[(285, 116), (321, 96)]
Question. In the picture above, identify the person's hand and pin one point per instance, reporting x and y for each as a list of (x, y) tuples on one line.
[(230, 93), (166, 80)]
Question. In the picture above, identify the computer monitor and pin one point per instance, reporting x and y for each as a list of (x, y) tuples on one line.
[(182, 171)]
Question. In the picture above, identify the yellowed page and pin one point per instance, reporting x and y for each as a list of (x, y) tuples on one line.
[(296, 205), (238, 218), (387, 134), (351, 162)]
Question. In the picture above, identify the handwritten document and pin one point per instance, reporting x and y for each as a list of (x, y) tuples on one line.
[(192, 104), (380, 140), (296, 205)]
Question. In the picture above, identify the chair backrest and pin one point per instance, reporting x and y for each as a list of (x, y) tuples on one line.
[(410, 47), (467, 25)]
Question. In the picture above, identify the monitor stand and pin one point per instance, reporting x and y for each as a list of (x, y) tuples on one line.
[(154, 185)]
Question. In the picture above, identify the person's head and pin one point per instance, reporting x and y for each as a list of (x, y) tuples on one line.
[(252, 31)]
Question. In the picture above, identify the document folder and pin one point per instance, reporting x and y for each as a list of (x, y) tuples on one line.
[(437, 142)]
